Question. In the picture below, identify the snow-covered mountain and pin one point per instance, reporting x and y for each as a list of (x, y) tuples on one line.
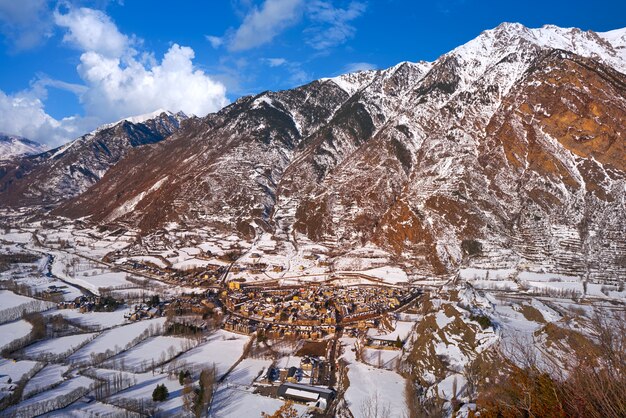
[(62, 173), (12, 146), (507, 151)]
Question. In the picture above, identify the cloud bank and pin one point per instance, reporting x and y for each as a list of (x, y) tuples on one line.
[(327, 25), (119, 81)]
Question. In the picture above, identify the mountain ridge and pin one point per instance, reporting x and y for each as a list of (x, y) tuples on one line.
[(13, 146), (56, 175), (499, 142)]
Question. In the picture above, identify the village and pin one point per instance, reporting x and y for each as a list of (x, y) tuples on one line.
[(309, 312)]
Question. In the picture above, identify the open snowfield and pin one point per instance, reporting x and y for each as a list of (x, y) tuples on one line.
[(41, 282), (114, 339), (191, 263), (388, 274), (52, 395), (17, 236), (368, 383), (96, 320), (402, 330), (289, 361), (146, 383), (16, 369), (13, 330), (58, 346), (46, 377), (9, 300), (98, 278), (80, 409), (223, 349), (144, 259), (16, 305), (382, 358), (471, 273), (248, 370), (235, 402), (155, 349)]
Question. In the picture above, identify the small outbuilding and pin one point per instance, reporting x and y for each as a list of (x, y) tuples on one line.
[(320, 397)]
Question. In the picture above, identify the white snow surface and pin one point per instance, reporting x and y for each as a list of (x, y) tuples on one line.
[(46, 377), (367, 383), (58, 346), (12, 146), (114, 339), (12, 331), (222, 348)]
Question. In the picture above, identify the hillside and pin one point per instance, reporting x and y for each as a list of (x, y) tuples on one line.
[(62, 173)]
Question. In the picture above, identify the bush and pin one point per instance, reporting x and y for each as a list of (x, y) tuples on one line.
[(160, 393), (471, 247), (182, 376), (483, 320)]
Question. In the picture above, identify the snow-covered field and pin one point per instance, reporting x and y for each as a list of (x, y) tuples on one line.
[(114, 339), (370, 385), (95, 320), (12, 331), (382, 358), (48, 400), (402, 330), (87, 408), (10, 300), (154, 350), (223, 349), (16, 369), (248, 370), (58, 346), (235, 402), (50, 375), (146, 383)]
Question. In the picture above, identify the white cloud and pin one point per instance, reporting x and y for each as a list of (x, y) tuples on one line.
[(25, 23), (119, 81), (23, 114), (215, 41), (331, 24), (359, 66), (276, 62), (92, 30), (328, 26), (122, 82), (261, 25), (119, 88)]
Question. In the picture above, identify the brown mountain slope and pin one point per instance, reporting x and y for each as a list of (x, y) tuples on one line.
[(511, 143)]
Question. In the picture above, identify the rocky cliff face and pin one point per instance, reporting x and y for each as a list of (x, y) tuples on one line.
[(65, 172), (512, 144)]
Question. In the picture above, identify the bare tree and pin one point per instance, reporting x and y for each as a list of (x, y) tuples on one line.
[(374, 407)]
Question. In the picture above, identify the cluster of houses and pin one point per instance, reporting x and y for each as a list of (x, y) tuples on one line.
[(54, 290), (303, 370), (313, 305), (243, 325), (141, 311), (207, 275), (90, 303)]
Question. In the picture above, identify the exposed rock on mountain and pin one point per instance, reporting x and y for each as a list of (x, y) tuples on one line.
[(62, 173), (12, 146), (513, 141)]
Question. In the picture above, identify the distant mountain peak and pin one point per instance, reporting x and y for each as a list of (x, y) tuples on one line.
[(179, 116), (12, 146), (73, 167)]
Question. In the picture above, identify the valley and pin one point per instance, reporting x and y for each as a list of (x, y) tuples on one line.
[(440, 238)]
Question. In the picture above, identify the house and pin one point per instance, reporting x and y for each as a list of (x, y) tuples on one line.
[(319, 397)]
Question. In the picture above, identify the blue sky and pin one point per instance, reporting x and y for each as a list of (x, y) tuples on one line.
[(68, 66)]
